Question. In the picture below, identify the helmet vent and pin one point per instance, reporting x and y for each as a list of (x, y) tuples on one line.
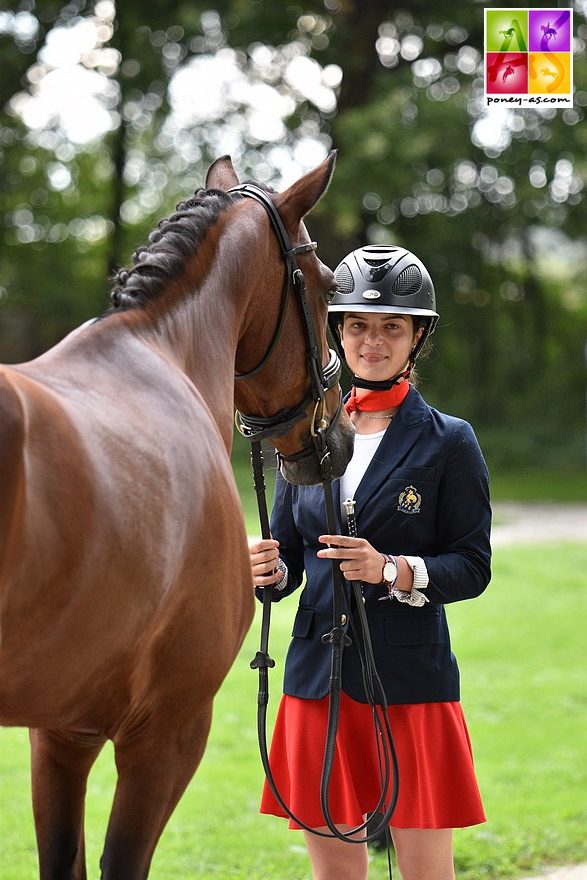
[(377, 261), (376, 255), (407, 282), (344, 279)]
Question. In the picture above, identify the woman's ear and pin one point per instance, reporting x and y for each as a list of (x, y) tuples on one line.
[(417, 337)]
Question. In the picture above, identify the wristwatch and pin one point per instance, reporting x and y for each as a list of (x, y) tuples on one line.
[(389, 573)]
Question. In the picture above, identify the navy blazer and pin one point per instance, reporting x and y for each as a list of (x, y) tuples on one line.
[(425, 493)]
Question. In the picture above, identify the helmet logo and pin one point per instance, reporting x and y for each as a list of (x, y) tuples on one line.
[(371, 294)]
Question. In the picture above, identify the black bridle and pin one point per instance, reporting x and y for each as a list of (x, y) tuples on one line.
[(322, 378), (255, 429)]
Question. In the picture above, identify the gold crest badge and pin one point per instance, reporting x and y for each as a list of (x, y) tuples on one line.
[(410, 500)]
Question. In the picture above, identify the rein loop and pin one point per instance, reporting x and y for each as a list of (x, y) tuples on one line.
[(255, 429)]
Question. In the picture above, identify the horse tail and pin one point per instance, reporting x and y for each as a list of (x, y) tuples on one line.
[(12, 435)]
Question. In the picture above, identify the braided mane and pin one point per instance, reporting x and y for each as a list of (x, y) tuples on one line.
[(173, 242)]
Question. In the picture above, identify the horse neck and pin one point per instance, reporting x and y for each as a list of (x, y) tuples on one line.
[(199, 328)]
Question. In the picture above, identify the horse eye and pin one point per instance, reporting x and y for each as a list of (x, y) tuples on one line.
[(330, 294)]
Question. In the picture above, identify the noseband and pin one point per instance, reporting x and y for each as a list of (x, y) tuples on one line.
[(257, 428)]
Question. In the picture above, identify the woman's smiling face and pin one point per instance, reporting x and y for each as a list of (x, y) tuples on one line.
[(378, 346)]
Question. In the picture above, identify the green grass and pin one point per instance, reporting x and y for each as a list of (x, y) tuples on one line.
[(521, 648), (522, 652), (562, 487)]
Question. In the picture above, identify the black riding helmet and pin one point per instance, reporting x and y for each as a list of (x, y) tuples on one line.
[(385, 278), (388, 279)]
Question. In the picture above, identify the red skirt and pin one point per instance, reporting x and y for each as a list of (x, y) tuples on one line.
[(437, 789)]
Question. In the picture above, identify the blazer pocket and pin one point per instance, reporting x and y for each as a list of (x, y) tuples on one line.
[(412, 629), (414, 474), (303, 623)]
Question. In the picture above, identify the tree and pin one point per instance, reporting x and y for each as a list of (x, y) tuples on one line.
[(496, 213)]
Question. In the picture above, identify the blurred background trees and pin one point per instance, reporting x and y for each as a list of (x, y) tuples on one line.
[(111, 112)]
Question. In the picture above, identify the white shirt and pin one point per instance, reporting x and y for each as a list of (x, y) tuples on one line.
[(366, 446)]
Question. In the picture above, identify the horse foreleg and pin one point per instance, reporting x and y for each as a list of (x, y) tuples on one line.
[(154, 769), (60, 764)]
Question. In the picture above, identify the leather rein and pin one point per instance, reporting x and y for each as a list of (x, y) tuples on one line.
[(255, 429)]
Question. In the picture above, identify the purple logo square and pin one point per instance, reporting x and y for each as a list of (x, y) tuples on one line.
[(549, 30)]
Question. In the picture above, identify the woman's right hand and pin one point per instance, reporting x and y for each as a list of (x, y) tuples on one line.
[(264, 556)]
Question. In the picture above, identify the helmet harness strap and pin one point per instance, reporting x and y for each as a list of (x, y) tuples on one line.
[(383, 384)]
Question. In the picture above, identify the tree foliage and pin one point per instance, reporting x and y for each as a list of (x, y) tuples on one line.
[(493, 204)]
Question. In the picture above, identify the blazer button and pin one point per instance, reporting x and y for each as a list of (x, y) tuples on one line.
[(343, 620)]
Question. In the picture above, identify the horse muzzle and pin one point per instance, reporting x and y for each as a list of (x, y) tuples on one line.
[(329, 447), (325, 459)]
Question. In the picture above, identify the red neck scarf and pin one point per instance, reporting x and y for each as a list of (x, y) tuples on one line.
[(376, 401)]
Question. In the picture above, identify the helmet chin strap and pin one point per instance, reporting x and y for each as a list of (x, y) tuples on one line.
[(384, 384)]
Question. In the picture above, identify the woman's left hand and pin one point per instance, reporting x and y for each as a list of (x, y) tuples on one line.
[(360, 560)]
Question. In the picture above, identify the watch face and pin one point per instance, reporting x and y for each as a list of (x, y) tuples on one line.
[(389, 572)]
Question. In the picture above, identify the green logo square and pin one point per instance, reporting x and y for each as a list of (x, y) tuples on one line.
[(506, 30)]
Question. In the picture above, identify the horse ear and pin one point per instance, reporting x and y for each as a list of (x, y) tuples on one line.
[(221, 174), (300, 198)]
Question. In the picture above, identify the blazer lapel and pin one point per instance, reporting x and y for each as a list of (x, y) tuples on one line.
[(397, 441)]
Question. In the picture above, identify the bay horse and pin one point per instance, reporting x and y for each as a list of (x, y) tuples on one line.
[(125, 583)]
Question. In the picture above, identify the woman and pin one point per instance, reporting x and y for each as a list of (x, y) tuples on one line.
[(422, 505)]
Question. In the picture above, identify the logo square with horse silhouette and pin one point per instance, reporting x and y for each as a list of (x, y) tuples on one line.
[(528, 57)]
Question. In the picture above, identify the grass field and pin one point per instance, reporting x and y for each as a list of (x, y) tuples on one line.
[(522, 653)]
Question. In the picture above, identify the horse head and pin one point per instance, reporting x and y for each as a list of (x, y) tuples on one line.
[(286, 386)]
